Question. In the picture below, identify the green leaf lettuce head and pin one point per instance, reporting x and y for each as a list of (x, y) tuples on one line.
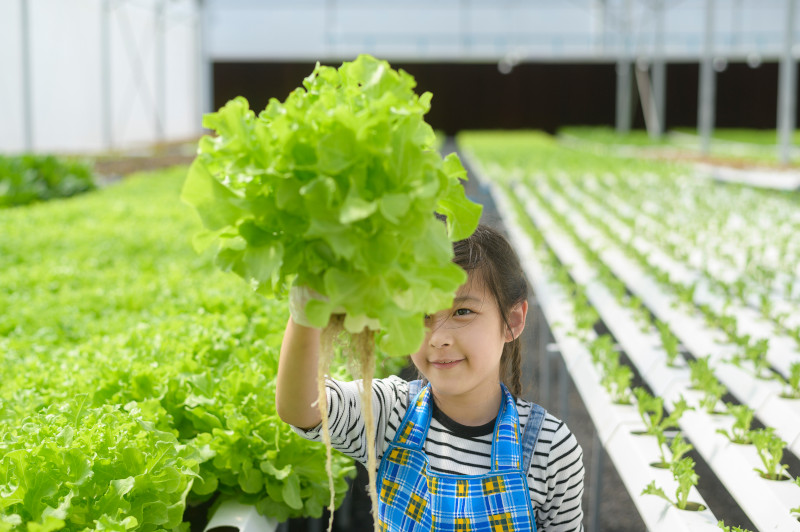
[(335, 189)]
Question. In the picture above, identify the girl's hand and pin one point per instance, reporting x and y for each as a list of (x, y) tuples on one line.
[(298, 297)]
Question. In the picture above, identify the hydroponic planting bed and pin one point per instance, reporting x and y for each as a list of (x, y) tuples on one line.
[(137, 378), (647, 249), (737, 147)]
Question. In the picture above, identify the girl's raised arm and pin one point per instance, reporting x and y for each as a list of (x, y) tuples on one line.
[(296, 386)]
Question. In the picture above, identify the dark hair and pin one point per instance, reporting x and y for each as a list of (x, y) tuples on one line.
[(488, 253)]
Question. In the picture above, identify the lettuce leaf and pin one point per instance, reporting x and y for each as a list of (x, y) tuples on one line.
[(335, 189)]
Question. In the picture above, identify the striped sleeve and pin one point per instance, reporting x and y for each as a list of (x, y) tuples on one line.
[(346, 418), (555, 478)]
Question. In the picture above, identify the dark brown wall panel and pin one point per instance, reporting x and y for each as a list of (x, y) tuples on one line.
[(541, 96)]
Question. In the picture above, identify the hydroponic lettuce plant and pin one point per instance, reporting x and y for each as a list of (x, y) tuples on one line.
[(684, 474), (76, 468), (334, 190), (770, 449)]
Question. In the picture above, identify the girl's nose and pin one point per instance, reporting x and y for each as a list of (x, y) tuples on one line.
[(439, 336)]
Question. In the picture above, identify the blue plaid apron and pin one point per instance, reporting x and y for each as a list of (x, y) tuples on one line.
[(414, 498)]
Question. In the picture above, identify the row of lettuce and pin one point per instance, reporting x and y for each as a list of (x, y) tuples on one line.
[(758, 147), (564, 183), (29, 178), (137, 378)]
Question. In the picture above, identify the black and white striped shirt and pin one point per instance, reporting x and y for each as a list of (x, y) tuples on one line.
[(555, 478)]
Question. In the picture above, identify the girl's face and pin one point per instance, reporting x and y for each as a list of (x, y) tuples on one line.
[(463, 344)]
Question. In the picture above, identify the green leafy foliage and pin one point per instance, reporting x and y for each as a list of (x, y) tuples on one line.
[(704, 380), (792, 384), (742, 419), (125, 347), (683, 472), (651, 410), (30, 178), (80, 466), (669, 341), (335, 189), (722, 526), (770, 449)]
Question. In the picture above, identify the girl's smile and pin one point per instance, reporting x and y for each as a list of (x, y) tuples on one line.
[(445, 364)]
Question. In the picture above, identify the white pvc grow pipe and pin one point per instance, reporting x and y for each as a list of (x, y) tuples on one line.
[(764, 397), (631, 454), (241, 516), (766, 502), (782, 351)]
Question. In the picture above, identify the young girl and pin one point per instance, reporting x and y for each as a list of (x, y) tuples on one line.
[(468, 453)]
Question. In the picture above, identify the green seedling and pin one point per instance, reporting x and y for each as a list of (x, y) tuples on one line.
[(616, 377), (729, 325), (601, 348), (739, 288), (651, 410), (703, 379), (743, 418), (770, 450), (793, 382), (669, 341), (686, 294), (585, 314), (756, 353), (708, 313), (679, 447), (617, 381), (765, 305), (795, 334), (796, 510), (721, 525), (683, 472), (640, 313)]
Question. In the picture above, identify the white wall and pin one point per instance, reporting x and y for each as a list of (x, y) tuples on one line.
[(11, 100), (487, 30), (150, 93), (154, 93)]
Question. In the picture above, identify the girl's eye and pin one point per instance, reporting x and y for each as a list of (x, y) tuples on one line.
[(463, 312)]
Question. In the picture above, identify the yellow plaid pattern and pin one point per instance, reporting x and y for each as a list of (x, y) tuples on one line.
[(389, 491), (416, 507), (514, 464), (406, 433), (501, 522), (493, 485), (433, 485), (383, 526), (462, 524), (421, 399), (462, 488), (398, 456)]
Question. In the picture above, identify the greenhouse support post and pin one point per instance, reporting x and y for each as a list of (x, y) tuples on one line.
[(563, 389), (204, 66), (624, 82), (27, 93), (160, 27), (787, 89), (105, 75), (544, 353), (597, 483), (659, 72), (705, 111)]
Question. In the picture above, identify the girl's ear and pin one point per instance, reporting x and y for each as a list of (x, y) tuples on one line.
[(516, 320)]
